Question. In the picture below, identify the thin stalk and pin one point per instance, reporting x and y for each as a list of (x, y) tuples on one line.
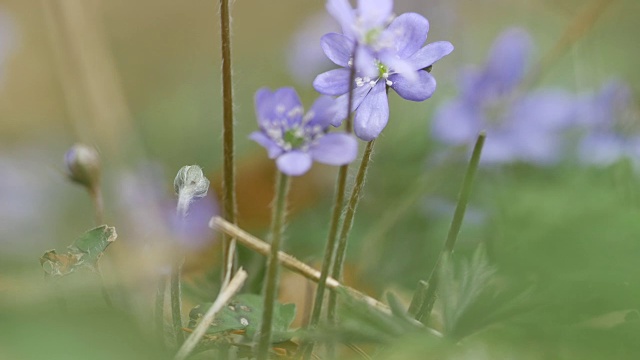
[(159, 307), (176, 301), (98, 205), (330, 249), (458, 216), (272, 276), (338, 264), (228, 171)]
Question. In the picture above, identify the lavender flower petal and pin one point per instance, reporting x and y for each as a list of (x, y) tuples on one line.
[(430, 53), (366, 63), (399, 66), (408, 33), (294, 163), (373, 113), (338, 48), (343, 13), (419, 90), (498, 148), (322, 112), (333, 82), (508, 56), (271, 105), (335, 149), (359, 94), (456, 123), (273, 150), (551, 109), (601, 149), (374, 13)]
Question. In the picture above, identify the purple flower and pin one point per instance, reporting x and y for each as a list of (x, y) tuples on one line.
[(520, 126), (612, 126), (295, 139), (390, 54)]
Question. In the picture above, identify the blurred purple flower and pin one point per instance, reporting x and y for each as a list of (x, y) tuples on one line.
[(520, 126), (612, 124), (388, 49), (34, 198), (295, 139)]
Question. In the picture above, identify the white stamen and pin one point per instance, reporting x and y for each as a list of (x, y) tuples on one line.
[(389, 82)]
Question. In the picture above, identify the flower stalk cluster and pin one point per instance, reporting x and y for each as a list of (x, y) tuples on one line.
[(377, 52)]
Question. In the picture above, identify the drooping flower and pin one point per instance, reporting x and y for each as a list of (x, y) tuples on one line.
[(521, 126), (148, 211), (612, 124), (296, 139), (389, 54)]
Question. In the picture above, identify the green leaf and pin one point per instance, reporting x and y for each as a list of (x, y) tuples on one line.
[(244, 313), (461, 287), (365, 323), (83, 253)]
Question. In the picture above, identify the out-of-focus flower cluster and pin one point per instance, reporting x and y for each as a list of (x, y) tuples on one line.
[(531, 125)]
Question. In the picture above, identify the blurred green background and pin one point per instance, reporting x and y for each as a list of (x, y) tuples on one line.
[(140, 80)]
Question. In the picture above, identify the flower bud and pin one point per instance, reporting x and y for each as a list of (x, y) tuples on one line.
[(83, 165), (190, 183)]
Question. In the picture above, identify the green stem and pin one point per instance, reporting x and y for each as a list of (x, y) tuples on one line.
[(228, 184), (271, 277), (159, 310), (176, 302), (329, 252), (95, 193), (338, 264), (98, 205), (418, 298), (330, 249), (458, 216)]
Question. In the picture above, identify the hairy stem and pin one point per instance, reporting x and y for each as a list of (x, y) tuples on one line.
[(272, 276), (176, 302), (330, 249), (338, 264), (228, 184), (159, 307), (458, 216)]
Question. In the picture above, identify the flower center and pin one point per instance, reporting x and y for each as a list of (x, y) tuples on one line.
[(383, 73), (371, 36), (294, 137)]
